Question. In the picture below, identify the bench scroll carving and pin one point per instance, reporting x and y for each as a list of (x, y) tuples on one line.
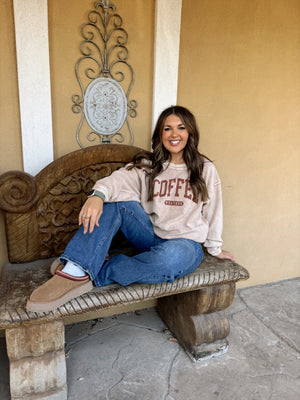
[(57, 213), (18, 191)]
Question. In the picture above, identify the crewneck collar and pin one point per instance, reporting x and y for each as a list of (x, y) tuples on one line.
[(168, 164)]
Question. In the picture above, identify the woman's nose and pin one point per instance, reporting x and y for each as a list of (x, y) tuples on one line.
[(174, 133)]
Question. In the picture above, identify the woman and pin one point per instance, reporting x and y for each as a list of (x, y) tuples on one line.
[(168, 204)]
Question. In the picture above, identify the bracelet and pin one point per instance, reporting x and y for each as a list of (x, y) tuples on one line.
[(99, 194)]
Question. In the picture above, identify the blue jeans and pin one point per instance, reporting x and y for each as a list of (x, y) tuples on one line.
[(159, 260)]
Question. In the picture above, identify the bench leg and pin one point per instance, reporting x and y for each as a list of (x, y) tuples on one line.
[(196, 320), (37, 361)]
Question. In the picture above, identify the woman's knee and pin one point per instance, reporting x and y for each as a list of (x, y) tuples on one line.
[(181, 256), (183, 249)]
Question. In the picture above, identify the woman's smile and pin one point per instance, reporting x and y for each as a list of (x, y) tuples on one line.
[(174, 142)]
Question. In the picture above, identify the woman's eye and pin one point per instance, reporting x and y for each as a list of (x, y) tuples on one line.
[(182, 127), (166, 129)]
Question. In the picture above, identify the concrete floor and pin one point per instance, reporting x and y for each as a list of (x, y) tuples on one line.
[(133, 356)]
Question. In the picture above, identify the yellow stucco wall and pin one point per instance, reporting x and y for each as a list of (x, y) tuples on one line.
[(238, 72), (10, 136), (65, 23)]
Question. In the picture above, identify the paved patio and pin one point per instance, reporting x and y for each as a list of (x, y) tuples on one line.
[(133, 355)]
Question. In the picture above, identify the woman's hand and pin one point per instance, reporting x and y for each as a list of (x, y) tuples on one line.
[(226, 255), (90, 213)]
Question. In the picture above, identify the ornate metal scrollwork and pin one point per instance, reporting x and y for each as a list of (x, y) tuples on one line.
[(105, 77)]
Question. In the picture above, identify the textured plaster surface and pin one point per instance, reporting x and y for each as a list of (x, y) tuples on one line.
[(134, 356)]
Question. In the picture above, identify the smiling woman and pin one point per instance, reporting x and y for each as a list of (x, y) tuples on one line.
[(167, 203)]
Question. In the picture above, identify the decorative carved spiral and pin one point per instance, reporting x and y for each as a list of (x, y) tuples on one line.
[(18, 192)]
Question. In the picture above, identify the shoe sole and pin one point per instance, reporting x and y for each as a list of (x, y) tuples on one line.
[(46, 307)]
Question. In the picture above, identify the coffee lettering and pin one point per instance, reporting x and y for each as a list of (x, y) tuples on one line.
[(174, 187), (163, 188), (154, 182), (170, 185), (178, 186), (187, 189)]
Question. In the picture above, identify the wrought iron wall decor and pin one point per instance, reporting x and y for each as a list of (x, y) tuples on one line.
[(105, 78)]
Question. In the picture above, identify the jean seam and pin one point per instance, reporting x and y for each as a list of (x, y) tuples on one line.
[(101, 243)]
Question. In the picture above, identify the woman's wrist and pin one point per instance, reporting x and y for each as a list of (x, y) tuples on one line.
[(98, 194), (214, 251)]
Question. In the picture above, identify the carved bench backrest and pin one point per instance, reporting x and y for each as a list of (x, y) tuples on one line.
[(41, 212)]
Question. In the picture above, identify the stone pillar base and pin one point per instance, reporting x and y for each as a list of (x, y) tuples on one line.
[(37, 361), (196, 321)]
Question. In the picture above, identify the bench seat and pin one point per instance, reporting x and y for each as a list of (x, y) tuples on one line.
[(19, 280)]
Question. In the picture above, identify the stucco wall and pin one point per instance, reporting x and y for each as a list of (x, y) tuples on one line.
[(10, 134), (65, 37), (238, 72)]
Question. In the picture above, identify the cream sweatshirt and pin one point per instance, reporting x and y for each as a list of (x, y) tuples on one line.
[(172, 212)]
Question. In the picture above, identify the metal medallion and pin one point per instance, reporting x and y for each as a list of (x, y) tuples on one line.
[(105, 106)]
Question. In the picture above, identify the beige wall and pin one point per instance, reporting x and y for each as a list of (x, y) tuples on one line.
[(238, 72), (10, 137), (65, 37)]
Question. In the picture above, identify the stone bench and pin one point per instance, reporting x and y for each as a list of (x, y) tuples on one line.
[(41, 216)]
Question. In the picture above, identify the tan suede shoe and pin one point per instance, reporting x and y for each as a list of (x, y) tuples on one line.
[(56, 265), (57, 291)]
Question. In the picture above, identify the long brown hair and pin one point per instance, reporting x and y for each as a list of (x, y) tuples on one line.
[(192, 158)]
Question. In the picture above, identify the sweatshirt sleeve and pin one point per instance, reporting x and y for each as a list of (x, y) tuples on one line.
[(121, 185), (212, 211)]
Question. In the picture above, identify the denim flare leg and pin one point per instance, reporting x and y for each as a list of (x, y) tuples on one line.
[(159, 260)]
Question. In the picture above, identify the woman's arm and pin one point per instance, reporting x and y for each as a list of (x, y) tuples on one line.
[(121, 185), (213, 212)]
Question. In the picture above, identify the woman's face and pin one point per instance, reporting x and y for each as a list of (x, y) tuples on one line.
[(174, 138)]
